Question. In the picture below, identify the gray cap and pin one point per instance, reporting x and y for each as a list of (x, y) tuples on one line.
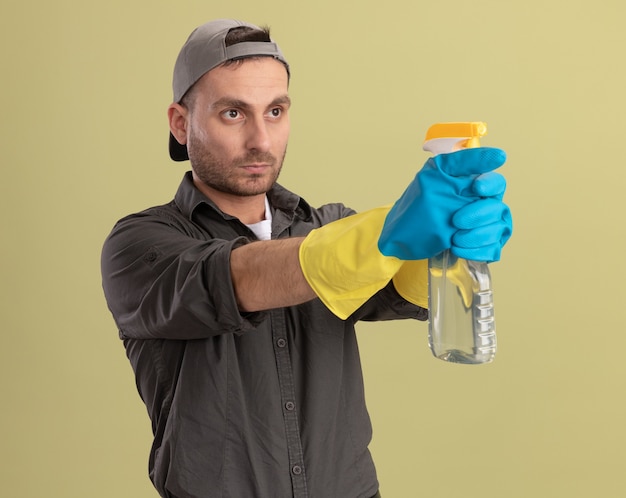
[(204, 50)]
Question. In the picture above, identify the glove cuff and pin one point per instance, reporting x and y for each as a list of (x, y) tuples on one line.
[(411, 282), (342, 263)]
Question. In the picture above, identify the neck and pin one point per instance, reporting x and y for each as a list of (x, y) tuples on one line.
[(248, 209)]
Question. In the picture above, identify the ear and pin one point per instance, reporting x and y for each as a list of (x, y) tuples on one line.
[(177, 115)]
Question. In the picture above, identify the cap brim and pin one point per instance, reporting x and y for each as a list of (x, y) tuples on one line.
[(178, 151)]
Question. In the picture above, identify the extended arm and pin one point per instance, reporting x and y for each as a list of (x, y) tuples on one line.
[(268, 275), (452, 202), (164, 278)]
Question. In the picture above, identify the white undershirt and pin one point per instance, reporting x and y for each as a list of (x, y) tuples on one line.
[(263, 229)]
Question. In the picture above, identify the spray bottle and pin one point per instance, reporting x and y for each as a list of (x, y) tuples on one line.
[(462, 325)]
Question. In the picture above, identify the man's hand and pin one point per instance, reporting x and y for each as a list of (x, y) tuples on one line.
[(454, 202)]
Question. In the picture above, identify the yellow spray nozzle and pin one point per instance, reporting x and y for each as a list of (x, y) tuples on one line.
[(446, 137)]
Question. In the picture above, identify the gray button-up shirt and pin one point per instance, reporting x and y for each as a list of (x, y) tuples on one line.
[(243, 405)]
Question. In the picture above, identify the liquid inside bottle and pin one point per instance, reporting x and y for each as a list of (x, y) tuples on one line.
[(462, 325)]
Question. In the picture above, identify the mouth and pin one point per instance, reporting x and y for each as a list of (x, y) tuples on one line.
[(256, 168)]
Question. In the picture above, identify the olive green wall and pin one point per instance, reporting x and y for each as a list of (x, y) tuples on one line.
[(85, 86)]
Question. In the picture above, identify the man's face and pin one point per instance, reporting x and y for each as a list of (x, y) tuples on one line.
[(238, 127)]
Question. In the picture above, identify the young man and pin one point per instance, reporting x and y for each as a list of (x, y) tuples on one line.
[(237, 300)]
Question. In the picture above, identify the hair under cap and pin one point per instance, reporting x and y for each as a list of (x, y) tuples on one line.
[(206, 49)]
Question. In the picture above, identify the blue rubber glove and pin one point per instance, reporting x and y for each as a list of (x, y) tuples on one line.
[(454, 202)]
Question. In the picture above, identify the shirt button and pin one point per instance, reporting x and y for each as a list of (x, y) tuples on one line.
[(281, 343), (290, 405), (296, 469)]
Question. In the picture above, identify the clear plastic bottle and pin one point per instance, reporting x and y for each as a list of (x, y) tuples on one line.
[(462, 327)]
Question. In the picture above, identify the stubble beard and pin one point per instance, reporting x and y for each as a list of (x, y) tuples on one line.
[(226, 177)]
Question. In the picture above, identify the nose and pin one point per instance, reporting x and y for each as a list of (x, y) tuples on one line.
[(258, 137)]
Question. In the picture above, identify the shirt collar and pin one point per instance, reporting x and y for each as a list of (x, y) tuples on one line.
[(188, 198)]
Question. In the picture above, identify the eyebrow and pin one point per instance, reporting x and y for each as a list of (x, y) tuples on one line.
[(241, 104)]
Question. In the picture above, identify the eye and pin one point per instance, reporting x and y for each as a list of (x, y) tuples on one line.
[(276, 112), (231, 114)]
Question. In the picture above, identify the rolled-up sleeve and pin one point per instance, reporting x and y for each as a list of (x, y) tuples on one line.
[(161, 282)]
